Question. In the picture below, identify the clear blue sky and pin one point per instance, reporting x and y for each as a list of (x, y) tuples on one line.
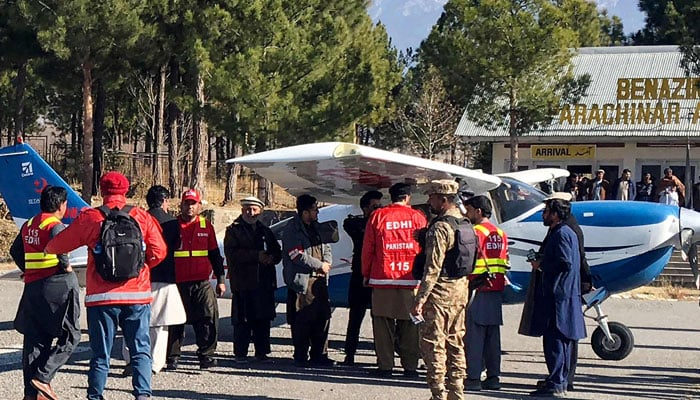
[(409, 21)]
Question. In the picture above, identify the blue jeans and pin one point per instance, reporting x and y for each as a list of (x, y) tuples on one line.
[(102, 327)]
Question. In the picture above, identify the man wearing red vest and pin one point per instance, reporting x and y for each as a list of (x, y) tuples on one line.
[(111, 304), (484, 314), (197, 256), (388, 254), (50, 305)]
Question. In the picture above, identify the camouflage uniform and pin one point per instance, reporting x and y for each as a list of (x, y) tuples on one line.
[(444, 306)]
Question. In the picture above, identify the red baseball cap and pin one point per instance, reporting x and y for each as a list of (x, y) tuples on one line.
[(192, 194)]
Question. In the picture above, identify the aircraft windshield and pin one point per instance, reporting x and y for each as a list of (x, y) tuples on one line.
[(513, 198)]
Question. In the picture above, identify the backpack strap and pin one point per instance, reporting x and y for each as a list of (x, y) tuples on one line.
[(127, 209), (106, 210)]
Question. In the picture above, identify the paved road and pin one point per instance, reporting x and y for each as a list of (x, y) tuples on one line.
[(664, 365)]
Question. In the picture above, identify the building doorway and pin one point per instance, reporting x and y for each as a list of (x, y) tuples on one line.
[(612, 172)]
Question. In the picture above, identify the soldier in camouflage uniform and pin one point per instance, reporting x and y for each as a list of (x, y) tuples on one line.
[(442, 297)]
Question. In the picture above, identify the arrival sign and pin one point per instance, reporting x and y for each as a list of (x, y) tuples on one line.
[(562, 151)]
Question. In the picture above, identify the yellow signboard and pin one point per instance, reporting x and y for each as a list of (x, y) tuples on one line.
[(560, 151)]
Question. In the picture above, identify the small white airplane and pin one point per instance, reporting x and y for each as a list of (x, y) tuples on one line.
[(627, 243)]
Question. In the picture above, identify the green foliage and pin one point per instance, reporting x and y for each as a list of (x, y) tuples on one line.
[(303, 71), (508, 62), (673, 22)]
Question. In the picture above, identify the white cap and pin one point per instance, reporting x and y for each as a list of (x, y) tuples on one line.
[(566, 196), (252, 201)]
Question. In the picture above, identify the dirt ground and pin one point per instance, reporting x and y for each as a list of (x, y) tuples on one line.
[(8, 232)]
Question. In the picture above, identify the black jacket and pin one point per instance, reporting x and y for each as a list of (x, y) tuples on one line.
[(165, 271), (241, 246)]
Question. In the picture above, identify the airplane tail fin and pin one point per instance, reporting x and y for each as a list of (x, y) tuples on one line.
[(24, 175)]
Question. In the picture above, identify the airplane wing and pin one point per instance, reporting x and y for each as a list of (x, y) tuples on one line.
[(535, 176), (337, 172)]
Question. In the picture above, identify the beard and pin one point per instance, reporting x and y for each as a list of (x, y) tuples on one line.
[(434, 211)]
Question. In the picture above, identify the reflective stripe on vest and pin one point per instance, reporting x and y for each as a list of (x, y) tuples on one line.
[(41, 260), (485, 230), (194, 253), (394, 282), (110, 296), (497, 265)]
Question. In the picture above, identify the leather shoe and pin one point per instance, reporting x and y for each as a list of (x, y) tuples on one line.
[(171, 364), (548, 392), (410, 373), (472, 385), (492, 383), (543, 384), (380, 373), (44, 389), (323, 362), (349, 361), (207, 362)]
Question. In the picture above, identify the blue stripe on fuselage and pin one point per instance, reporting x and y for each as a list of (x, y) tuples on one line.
[(618, 276), (616, 213)]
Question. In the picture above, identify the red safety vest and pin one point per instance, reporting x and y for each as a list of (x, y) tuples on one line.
[(36, 233), (492, 256), (389, 249), (192, 258)]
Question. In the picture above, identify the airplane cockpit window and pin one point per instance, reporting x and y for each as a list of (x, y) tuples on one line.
[(513, 198)]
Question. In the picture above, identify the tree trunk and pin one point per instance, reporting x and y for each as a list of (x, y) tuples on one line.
[(220, 147), (232, 171), (98, 134), (513, 132), (73, 133), (199, 141), (263, 193), (87, 132), (20, 86), (173, 154), (160, 128)]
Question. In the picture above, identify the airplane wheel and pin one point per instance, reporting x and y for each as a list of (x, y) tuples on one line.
[(618, 348)]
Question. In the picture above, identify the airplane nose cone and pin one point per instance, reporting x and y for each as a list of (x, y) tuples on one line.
[(691, 220)]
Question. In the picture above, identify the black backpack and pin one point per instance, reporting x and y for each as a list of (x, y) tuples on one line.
[(120, 252)]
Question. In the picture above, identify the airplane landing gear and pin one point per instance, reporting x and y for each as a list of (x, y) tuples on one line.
[(618, 347), (610, 340)]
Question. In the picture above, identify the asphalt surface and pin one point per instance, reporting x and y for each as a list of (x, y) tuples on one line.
[(665, 363)]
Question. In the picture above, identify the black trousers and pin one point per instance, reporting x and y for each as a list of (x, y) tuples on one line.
[(50, 337), (257, 330), (310, 323), (359, 300), (202, 312)]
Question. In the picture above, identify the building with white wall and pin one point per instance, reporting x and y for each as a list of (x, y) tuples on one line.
[(640, 112)]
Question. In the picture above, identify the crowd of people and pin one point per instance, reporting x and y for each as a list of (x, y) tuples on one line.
[(433, 282), (666, 190)]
